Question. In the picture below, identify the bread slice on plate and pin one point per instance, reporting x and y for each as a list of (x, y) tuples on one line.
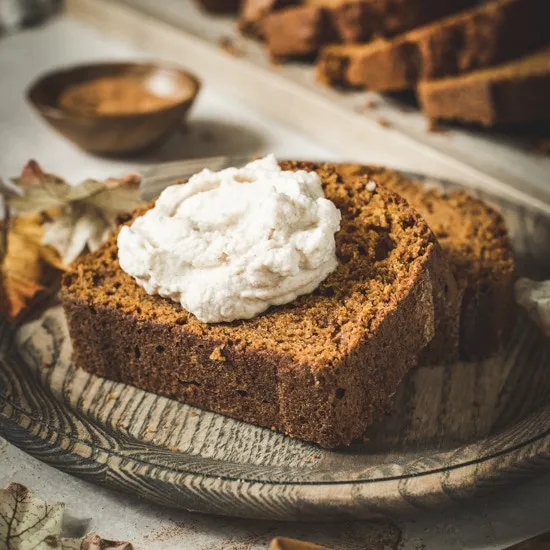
[(493, 32), (517, 92), (476, 242), (317, 368)]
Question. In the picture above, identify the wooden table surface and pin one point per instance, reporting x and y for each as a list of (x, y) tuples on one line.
[(218, 125)]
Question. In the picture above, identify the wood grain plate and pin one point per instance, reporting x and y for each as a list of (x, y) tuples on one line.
[(456, 430)]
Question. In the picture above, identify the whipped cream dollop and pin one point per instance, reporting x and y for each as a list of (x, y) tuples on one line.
[(227, 245)]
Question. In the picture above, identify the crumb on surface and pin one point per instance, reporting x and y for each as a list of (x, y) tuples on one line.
[(368, 105), (384, 122), (229, 45), (371, 104)]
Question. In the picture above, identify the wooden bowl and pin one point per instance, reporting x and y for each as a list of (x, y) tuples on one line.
[(118, 132)]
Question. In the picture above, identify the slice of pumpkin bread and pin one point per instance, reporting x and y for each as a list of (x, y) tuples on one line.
[(517, 92), (317, 368)]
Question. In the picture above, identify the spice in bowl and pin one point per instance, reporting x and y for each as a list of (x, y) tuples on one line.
[(118, 95), (115, 108)]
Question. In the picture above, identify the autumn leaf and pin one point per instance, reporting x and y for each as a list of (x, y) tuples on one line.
[(34, 191), (28, 267), (30, 523), (85, 213), (26, 522)]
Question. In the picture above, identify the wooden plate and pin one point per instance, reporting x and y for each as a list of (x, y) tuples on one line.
[(457, 430)]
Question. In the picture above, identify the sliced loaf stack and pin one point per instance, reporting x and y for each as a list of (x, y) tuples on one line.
[(318, 368), (480, 37), (483, 65), (298, 28), (483, 62)]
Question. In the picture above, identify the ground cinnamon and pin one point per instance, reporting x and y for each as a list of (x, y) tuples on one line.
[(111, 96)]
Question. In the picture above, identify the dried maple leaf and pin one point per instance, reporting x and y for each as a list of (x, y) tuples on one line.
[(84, 213), (28, 267), (28, 523), (25, 522)]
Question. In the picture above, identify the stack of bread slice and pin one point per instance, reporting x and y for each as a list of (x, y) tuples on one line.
[(299, 28), (481, 62), (480, 65), (423, 278)]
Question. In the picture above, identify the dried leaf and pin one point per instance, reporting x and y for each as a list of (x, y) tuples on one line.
[(28, 267), (10, 189), (35, 190), (534, 297), (75, 229), (26, 521), (85, 213), (116, 194), (29, 523)]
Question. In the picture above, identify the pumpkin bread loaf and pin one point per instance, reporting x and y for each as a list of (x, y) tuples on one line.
[(476, 243), (491, 33), (325, 21), (317, 368)]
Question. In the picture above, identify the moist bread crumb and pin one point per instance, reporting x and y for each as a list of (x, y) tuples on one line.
[(316, 369)]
